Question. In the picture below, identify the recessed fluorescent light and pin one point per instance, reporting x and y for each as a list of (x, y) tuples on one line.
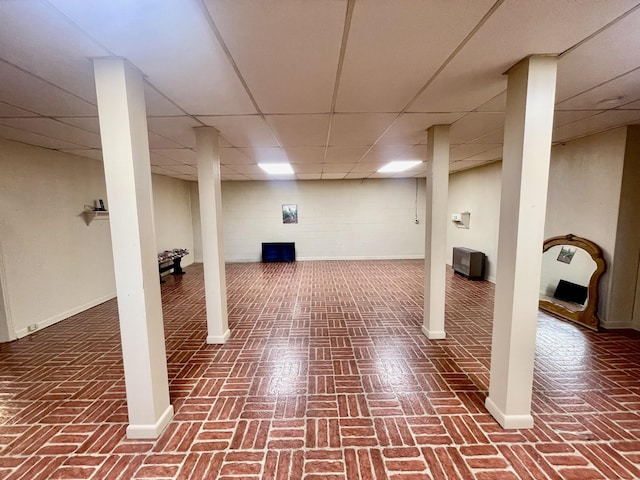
[(399, 166), (276, 168)]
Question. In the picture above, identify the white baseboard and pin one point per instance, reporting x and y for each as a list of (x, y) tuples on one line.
[(508, 422), (436, 335), (152, 430), (219, 339), (23, 332)]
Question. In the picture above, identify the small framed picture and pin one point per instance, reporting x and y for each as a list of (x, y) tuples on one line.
[(290, 213), (566, 254)]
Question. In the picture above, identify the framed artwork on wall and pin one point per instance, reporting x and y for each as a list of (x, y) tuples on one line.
[(290, 213)]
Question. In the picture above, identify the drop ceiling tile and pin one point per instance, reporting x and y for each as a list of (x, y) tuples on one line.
[(466, 165), (492, 154), (235, 178), (234, 156), (393, 51), (172, 156), (287, 50), (344, 154), (337, 167), (612, 94), (635, 105), (460, 152), (35, 139), (369, 167), (29, 27), (158, 141), (90, 124), (161, 160), (154, 35), (265, 155), (182, 169), (158, 104), (187, 178), (262, 177), (178, 155), (387, 153), (358, 129), (411, 128), (249, 169), (305, 155), (497, 136), (561, 117), (30, 93), (86, 153), (601, 58), (474, 75), (595, 123), (475, 125), (54, 129), (304, 168), (261, 157), (417, 152), (161, 171), (333, 176), (243, 130), (177, 129), (300, 130), (7, 111), (355, 175), (496, 104), (309, 176)]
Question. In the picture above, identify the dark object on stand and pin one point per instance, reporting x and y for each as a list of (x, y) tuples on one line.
[(170, 260), (279, 252), (468, 262)]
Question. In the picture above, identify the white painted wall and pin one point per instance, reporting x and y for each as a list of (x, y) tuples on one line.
[(342, 219), (476, 191), (172, 215), (584, 195), (55, 265), (625, 293)]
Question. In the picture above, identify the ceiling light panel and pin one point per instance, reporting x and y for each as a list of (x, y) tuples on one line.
[(277, 168), (399, 166)]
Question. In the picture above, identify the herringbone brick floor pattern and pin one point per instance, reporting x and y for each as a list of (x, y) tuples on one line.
[(326, 376)]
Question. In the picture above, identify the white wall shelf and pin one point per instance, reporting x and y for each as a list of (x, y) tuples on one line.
[(91, 215)]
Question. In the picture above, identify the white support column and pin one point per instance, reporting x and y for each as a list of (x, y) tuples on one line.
[(125, 148), (525, 177), (436, 230), (209, 188)]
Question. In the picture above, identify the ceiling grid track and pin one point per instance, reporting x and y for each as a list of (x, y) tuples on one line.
[(450, 58)]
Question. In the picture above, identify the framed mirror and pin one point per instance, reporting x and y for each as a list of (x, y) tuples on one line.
[(571, 271)]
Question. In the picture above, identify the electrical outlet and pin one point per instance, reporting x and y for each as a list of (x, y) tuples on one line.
[(32, 328)]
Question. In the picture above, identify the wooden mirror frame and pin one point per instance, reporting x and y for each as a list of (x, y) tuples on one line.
[(587, 317)]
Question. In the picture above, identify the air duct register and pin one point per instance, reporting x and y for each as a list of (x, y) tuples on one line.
[(461, 220)]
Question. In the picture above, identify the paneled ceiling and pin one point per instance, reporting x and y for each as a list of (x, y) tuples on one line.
[(337, 88)]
